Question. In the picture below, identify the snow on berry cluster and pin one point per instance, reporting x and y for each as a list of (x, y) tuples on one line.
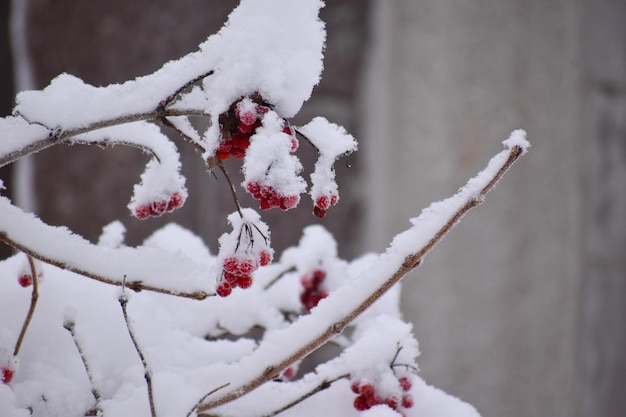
[(332, 141), (158, 193), (271, 170), (314, 289), (242, 251), (370, 394)]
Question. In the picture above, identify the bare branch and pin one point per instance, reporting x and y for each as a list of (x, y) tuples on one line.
[(410, 262), (31, 310), (321, 387), (123, 299), (70, 326)]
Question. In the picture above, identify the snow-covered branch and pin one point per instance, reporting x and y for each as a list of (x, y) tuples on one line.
[(341, 307)]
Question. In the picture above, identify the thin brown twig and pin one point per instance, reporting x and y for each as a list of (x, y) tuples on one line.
[(33, 304), (70, 326), (123, 299), (410, 262), (231, 186), (321, 387)]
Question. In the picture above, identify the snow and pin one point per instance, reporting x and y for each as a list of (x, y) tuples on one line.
[(217, 344)]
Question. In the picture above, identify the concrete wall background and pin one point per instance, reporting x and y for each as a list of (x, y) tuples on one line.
[(520, 311)]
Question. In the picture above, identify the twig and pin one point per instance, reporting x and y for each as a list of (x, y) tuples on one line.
[(56, 137), (170, 99), (205, 397), (31, 310), (306, 138), (70, 326), (410, 262), (279, 276), (321, 387), (231, 186), (123, 299), (133, 285)]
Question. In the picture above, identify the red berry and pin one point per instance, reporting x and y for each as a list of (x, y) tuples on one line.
[(323, 202), (289, 373), (25, 280), (405, 383), (319, 212), (246, 266), (230, 278), (176, 200), (407, 401), (333, 199), (367, 389), (265, 204), (244, 281), (360, 403), (294, 144), (158, 207), (373, 400), (224, 289), (265, 258), (307, 282), (247, 117), (244, 128), (238, 152), (7, 375), (392, 402), (231, 264), (254, 188), (355, 387), (318, 277), (289, 202), (142, 212)]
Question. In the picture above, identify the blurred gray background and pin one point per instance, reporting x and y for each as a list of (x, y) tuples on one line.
[(521, 309)]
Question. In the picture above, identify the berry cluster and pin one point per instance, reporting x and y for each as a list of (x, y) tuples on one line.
[(313, 290), (237, 272), (240, 123), (158, 207), (368, 397), (270, 198), (323, 203), (7, 375)]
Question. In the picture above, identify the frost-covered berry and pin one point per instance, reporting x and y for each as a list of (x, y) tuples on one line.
[(158, 207), (405, 383), (224, 289), (142, 212), (360, 403), (407, 401), (176, 201), (25, 280), (314, 291), (265, 258), (7, 375), (244, 281)]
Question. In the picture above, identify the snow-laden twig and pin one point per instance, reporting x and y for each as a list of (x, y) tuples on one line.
[(70, 326), (405, 253), (31, 309), (321, 387), (123, 299)]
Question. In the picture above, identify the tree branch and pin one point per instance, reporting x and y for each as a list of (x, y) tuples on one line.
[(473, 195), (70, 326), (31, 310), (123, 299)]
